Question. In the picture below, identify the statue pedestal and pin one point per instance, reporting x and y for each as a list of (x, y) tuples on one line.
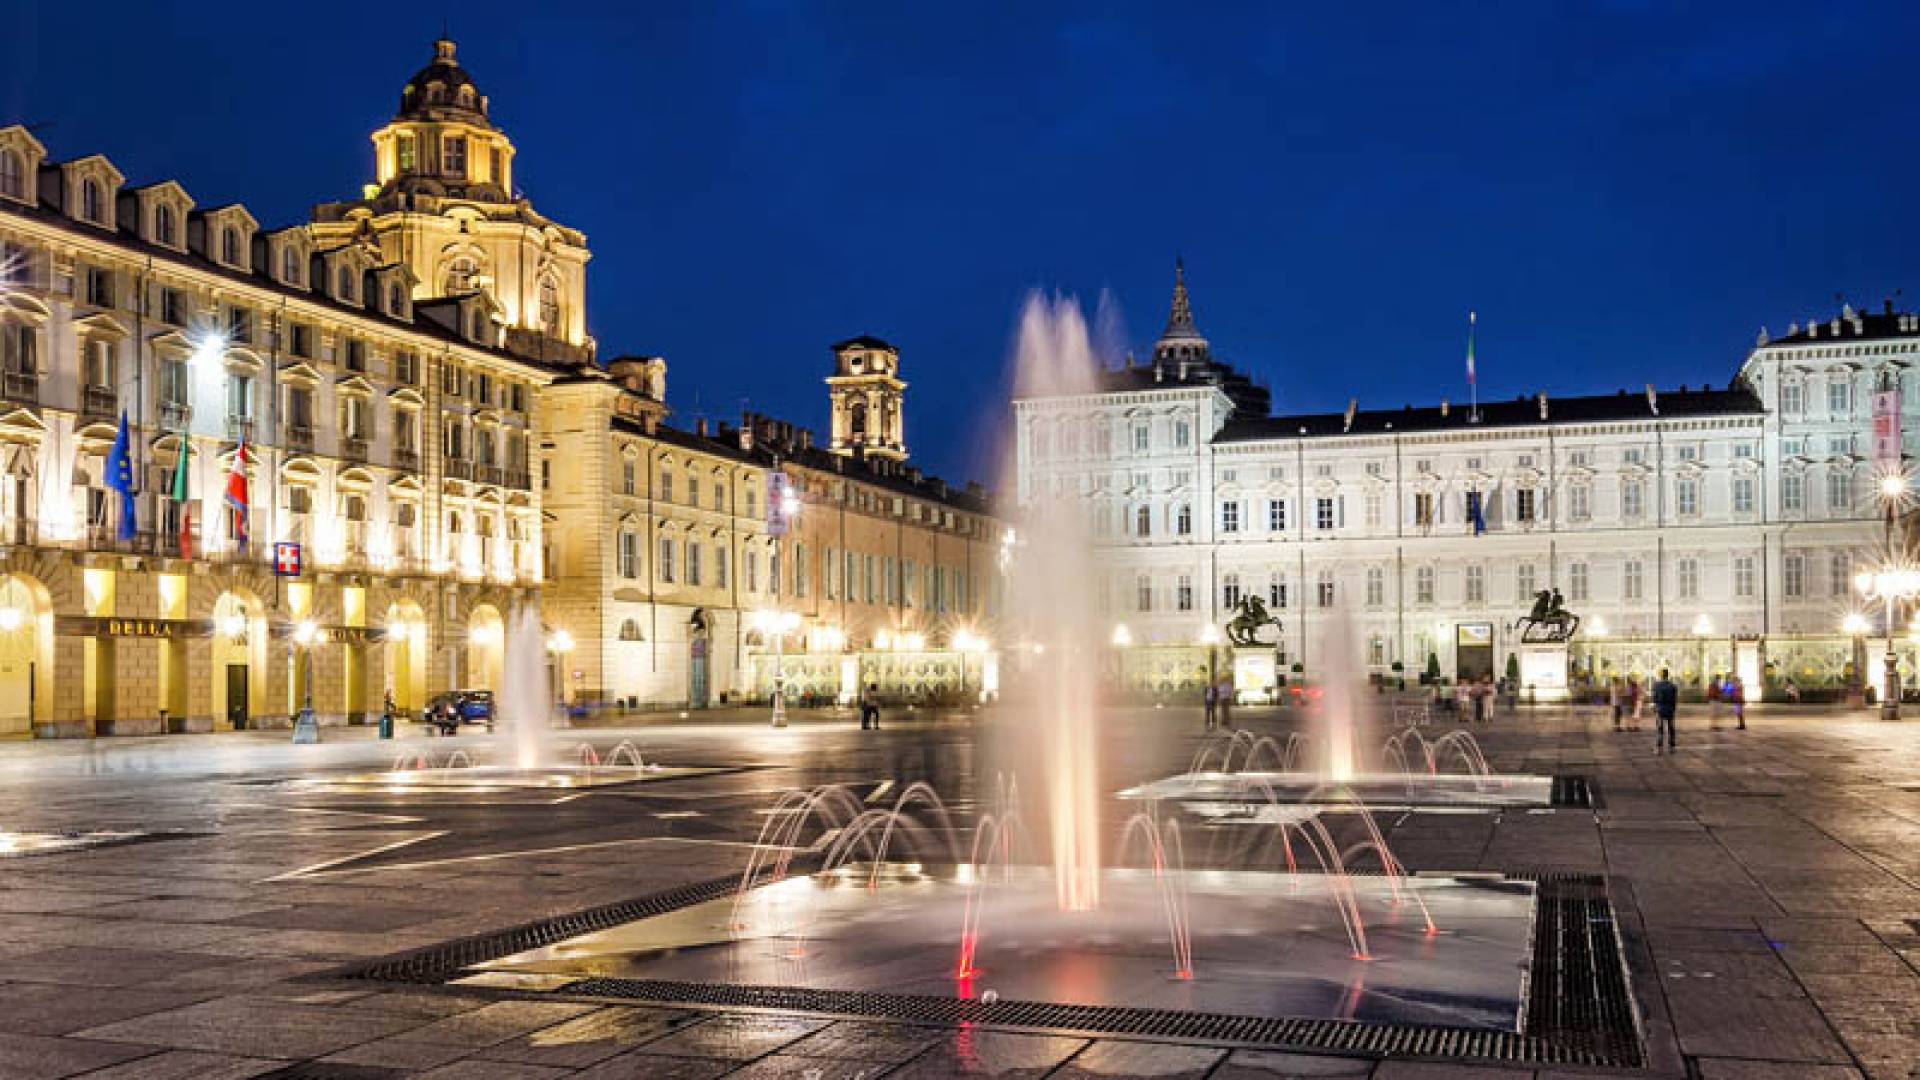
[(1543, 673), (1255, 674)]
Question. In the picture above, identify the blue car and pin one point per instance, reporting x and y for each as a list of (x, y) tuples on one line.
[(447, 711)]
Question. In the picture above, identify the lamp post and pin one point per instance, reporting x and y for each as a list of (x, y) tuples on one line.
[(1891, 585), (777, 624)]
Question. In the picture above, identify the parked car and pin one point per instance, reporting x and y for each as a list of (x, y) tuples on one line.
[(447, 711)]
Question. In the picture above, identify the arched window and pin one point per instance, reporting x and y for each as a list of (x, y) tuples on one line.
[(90, 203), (466, 96), (460, 275), (13, 173), (230, 246), (630, 630), (163, 224), (549, 304), (857, 420)]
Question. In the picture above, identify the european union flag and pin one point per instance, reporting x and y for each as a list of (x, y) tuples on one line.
[(1475, 514), (120, 478)]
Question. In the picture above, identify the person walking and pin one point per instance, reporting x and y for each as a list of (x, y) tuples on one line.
[(1737, 695), (1210, 697), (1614, 700), (1224, 702), (1715, 691), (870, 707), (1666, 705), (1636, 702)]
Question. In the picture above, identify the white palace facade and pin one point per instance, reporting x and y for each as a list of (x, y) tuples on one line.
[(1704, 529)]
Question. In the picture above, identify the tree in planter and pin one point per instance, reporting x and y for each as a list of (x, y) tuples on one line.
[(1513, 669), (1433, 667), (1400, 674)]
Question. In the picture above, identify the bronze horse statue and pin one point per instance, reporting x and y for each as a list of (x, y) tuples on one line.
[(1549, 621), (1250, 617)]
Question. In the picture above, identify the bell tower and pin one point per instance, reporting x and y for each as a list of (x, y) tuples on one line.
[(868, 399), (444, 204)]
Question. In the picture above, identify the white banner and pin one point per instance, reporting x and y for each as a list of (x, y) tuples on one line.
[(1886, 430)]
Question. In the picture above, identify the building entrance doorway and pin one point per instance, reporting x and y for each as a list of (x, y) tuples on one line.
[(1473, 651), (237, 696), (697, 673)]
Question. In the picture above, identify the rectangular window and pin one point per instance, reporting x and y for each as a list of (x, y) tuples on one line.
[(1374, 509), (1687, 578), (665, 559), (1743, 576), (175, 389), (1423, 585), (1376, 586), (1839, 397), (1276, 591), (1523, 504), (1140, 438), (1839, 574), (1183, 593), (1839, 491), (405, 154), (1230, 517), (1686, 492), (1792, 400), (1423, 509), (1631, 577), (1182, 433), (1743, 494), (239, 396), (240, 324), (1577, 582), (453, 155), (1523, 583), (1580, 502), (1476, 584), (1793, 575), (1143, 593), (1230, 591), (99, 287), (1793, 491), (1276, 515), (720, 567), (1325, 588), (173, 307), (693, 564), (1323, 514), (1633, 498), (629, 555)]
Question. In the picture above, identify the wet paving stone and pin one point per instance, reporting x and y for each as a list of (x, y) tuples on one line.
[(1114, 1059), (594, 1037), (736, 1037)]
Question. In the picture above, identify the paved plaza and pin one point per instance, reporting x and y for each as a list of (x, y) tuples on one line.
[(190, 906)]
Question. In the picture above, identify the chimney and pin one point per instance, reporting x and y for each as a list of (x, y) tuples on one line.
[(1443, 408), (746, 433), (1653, 400), (806, 438), (1353, 405), (700, 427), (1543, 404)]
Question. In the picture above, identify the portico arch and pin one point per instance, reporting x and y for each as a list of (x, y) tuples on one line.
[(486, 648), (239, 658), (26, 654), (407, 647)]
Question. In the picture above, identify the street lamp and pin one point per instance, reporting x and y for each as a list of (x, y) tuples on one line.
[(305, 633), (1122, 637), (965, 642), (777, 625), (1891, 585)]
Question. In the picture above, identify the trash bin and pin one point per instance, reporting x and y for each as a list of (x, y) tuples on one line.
[(386, 725)]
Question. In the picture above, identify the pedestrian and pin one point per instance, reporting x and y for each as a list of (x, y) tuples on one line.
[(1613, 699), (1224, 702), (1211, 697), (1636, 702), (1737, 694), (1714, 694), (1666, 704), (870, 707), (1793, 691)]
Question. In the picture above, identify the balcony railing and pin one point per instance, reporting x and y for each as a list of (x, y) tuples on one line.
[(457, 468), (176, 415), (407, 459), (492, 474), (299, 438), (21, 386), (239, 428), (520, 479), (100, 401), (353, 449)]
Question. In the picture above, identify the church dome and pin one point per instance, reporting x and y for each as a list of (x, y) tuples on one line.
[(443, 91)]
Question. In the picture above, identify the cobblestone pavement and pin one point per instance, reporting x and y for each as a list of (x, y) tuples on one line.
[(1768, 883)]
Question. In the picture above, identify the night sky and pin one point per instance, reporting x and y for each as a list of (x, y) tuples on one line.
[(1624, 191)]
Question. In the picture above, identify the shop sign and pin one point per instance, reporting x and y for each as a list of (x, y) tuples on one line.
[(115, 626), (286, 559)]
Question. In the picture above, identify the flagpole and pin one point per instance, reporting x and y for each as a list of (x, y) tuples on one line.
[(1473, 383)]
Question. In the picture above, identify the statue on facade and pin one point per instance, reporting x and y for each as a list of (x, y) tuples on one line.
[(1549, 622), (1250, 617)]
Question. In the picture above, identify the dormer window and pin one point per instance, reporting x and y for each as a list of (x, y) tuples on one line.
[(13, 175), (165, 229), (396, 300), (460, 275), (92, 202), (479, 323), (230, 246), (343, 284), (290, 265)]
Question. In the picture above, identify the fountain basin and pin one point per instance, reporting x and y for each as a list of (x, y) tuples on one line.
[(505, 778), (1266, 945), (1237, 794)]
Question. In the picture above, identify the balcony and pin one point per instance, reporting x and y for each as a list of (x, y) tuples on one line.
[(239, 428), (102, 402), (492, 474), (22, 386), (176, 415), (408, 460), (298, 437), (519, 479), (353, 449), (457, 469)]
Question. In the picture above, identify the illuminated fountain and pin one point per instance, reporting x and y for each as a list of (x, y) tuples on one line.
[(1290, 915)]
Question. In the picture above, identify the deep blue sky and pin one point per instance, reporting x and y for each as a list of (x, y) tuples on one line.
[(1624, 191)]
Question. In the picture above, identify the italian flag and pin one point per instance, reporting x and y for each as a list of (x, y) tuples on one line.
[(237, 493), (180, 495)]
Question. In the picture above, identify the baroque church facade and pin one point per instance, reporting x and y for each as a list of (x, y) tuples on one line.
[(1701, 529)]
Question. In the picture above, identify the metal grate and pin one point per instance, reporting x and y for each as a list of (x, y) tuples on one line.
[(1579, 1006), (1574, 792)]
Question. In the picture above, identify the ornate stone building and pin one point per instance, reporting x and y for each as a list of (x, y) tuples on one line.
[(1705, 529), (385, 403)]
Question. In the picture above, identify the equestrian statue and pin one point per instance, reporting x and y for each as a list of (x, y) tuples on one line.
[(1250, 616), (1549, 622)]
